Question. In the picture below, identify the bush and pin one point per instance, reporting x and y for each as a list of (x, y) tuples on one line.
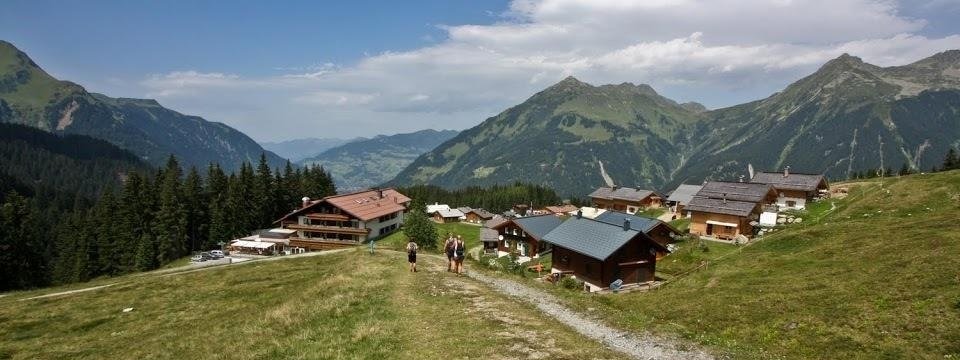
[(570, 283)]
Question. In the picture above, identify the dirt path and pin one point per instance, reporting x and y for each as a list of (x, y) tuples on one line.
[(636, 346), (69, 292)]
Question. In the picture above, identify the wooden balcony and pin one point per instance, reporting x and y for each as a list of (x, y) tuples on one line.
[(321, 244), (333, 217), (330, 229)]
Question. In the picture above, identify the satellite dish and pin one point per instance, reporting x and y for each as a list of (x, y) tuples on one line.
[(500, 237)]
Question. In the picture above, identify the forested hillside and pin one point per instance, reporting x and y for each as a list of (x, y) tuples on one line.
[(120, 216)]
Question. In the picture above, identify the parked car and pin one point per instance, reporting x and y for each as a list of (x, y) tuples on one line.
[(218, 254), (197, 258), (206, 256)]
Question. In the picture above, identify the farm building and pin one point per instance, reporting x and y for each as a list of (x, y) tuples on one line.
[(642, 224), (599, 253), (477, 216), (346, 220), (624, 199), (447, 215), (560, 210), (794, 190), (724, 210)]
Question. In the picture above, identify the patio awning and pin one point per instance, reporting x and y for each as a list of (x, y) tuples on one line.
[(252, 244), (711, 222)]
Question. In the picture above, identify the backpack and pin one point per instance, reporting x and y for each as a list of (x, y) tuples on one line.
[(412, 250), (458, 248)]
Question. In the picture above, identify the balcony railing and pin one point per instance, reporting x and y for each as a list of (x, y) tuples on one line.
[(331, 229)]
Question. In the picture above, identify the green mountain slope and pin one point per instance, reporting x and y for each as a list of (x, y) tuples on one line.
[(369, 162), (30, 96), (848, 116), (558, 137), (871, 276)]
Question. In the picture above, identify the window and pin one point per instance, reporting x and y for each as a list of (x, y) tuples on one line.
[(791, 203)]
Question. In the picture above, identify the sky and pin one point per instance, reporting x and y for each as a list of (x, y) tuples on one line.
[(280, 70)]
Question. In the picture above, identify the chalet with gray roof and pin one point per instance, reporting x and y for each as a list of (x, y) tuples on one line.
[(725, 210), (794, 190), (524, 236), (599, 252), (625, 199), (681, 196), (447, 215), (476, 216)]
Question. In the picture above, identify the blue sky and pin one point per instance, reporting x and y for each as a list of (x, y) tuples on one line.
[(282, 70)]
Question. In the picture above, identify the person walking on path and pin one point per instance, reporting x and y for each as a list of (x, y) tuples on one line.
[(458, 255), (412, 255), (448, 249)]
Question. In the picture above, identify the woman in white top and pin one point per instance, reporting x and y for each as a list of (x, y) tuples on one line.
[(412, 255)]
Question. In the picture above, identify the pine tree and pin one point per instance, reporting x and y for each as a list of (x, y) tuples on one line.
[(950, 162), (108, 246), (146, 252), (170, 223), (263, 193), (23, 255), (195, 208), (904, 170)]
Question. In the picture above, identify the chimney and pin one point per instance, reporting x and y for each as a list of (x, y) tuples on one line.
[(741, 178), (379, 193), (613, 187), (626, 224), (724, 198), (579, 214), (786, 171), (306, 201)]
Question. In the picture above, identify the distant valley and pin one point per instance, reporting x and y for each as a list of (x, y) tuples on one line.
[(370, 162), (299, 149)]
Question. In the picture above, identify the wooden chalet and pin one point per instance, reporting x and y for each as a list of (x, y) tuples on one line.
[(601, 252), (625, 199), (476, 216), (447, 215), (794, 190), (642, 224), (724, 210), (346, 220), (524, 236), (680, 197)]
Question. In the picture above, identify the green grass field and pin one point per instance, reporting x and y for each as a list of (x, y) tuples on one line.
[(470, 233), (877, 277), (347, 305)]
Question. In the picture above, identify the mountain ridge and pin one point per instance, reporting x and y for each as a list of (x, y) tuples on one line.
[(30, 96)]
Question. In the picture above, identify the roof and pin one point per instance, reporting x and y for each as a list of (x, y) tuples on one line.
[(638, 223), (621, 193), (464, 209), (433, 208), (684, 193), (739, 191), (483, 214), (252, 244), (719, 206), (364, 205), (449, 213), (563, 209), (589, 212), (592, 238), (494, 222), (538, 226), (489, 235), (800, 182)]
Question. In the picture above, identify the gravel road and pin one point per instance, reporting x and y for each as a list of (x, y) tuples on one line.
[(637, 346)]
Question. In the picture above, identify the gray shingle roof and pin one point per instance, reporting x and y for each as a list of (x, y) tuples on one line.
[(449, 213), (621, 193), (684, 193), (738, 191), (717, 206), (483, 214), (800, 182), (489, 235), (638, 223), (538, 226), (464, 209), (492, 223), (589, 237)]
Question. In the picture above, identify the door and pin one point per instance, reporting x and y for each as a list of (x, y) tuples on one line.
[(709, 229)]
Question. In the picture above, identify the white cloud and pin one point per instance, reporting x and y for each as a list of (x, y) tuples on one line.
[(719, 52)]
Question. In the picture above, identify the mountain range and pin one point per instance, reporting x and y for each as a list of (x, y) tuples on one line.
[(363, 163), (848, 116), (299, 149), (30, 96)]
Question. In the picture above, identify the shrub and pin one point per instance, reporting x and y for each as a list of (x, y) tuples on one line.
[(570, 283)]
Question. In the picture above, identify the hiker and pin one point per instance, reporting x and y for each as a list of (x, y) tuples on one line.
[(458, 255), (448, 249), (412, 255)]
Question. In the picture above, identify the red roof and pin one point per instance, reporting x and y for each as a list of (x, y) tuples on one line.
[(364, 205)]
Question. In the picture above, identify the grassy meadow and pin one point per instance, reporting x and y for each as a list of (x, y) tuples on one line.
[(875, 275), (349, 305)]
